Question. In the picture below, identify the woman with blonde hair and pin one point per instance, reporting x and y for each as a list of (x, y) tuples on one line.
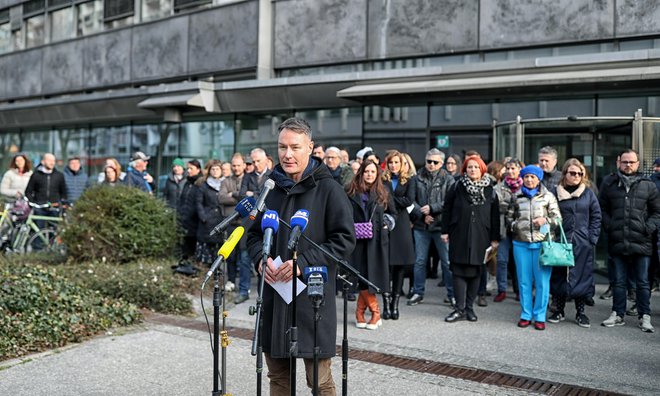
[(581, 218), (401, 254), (370, 201)]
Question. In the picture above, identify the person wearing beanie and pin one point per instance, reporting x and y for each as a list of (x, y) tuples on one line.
[(174, 184), (532, 214)]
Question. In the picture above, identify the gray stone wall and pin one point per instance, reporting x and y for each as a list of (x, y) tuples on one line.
[(636, 17), (422, 27), (506, 23), (218, 41), (311, 32)]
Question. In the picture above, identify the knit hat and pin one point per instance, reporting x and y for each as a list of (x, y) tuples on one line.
[(532, 170), (179, 162)]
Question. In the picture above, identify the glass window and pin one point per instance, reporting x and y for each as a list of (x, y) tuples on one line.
[(108, 142), (35, 30), (651, 148), (37, 143), (5, 38), (117, 23), (10, 144), (181, 4), (154, 9), (259, 131), (204, 140), (113, 9), (61, 24), (336, 127), (90, 17)]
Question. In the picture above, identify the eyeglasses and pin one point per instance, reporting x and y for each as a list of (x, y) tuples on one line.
[(575, 173), (629, 162), (428, 161)]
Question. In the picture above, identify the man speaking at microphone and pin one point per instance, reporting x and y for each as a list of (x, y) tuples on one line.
[(302, 182)]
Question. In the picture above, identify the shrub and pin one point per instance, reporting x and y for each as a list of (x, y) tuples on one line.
[(119, 224), (147, 284), (40, 309)]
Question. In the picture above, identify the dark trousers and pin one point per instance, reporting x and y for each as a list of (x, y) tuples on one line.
[(465, 290), (639, 265)]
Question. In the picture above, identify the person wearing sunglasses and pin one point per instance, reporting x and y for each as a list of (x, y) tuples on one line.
[(630, 204), (581, 219), (431, 186)]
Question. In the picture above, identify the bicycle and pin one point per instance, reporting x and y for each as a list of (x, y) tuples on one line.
[(29, 237)]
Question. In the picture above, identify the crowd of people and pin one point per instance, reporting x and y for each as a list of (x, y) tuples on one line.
[(386, 218)]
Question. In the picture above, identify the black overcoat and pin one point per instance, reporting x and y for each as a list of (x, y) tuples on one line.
[(471, 228), (209, 212), (331, 226), (581, 219), (372, 256), (187, 209), (402, 248)]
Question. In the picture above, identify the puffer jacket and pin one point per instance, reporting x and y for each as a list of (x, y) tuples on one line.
[(524, 210), (505, 197), (430, 189), (630, 217)]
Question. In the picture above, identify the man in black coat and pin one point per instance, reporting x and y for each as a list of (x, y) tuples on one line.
[(187, 217), (253, 182), (302, 182), (46, 184), (431, 186), (630, 205)]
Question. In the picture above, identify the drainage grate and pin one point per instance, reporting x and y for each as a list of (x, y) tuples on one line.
[(419, 365)]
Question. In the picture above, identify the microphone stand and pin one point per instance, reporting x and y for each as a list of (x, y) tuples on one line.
[(316, 303), (347, 268), (293, 331), (218, 296), (257, 347)]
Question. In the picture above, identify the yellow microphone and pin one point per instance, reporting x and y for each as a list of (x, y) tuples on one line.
[(225, 250)]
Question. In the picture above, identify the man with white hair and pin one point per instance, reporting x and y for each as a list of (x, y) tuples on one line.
[(340, 172), (359, 156), (137, 175), (253, 182)]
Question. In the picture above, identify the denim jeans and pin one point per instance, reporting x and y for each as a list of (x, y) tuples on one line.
[(639, 266), (244, 265), (422, 244), (502, 264)]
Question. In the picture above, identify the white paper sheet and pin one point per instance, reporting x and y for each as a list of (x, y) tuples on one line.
[(284, 288)]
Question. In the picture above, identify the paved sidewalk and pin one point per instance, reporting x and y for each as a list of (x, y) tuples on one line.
[(156, 358)]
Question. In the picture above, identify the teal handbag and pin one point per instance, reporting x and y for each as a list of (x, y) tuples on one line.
[(557, 254)]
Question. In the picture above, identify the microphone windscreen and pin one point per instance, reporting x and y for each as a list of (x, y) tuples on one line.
[(245, 206), (270, 220), (231, 242), (323, 271), (300, 219)]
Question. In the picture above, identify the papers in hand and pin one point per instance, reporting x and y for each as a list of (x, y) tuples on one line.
[(284, 288), (487, 254)]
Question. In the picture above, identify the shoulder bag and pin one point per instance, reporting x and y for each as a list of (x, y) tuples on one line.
[(557, 254), (365, 230)]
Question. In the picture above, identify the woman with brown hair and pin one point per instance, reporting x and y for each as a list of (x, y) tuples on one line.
[(17, 177), (401, 254), (581, 218), (370, 201)]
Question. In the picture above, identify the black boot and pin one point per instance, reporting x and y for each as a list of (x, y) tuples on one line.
[(395, 307), (387, 302)]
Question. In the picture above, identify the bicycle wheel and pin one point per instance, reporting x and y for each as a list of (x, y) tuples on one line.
[(45, 241)]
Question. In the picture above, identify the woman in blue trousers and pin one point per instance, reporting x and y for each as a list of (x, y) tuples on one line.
[(532, 214)]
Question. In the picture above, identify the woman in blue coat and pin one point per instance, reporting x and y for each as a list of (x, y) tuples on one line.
[(581, 216)]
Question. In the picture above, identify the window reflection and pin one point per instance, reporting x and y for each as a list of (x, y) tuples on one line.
[(5, 38), (61, 24), (90, 17), (35, 30), (154, 9)]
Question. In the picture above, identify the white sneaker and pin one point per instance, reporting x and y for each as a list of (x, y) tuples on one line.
[(614, 320), (229, 286), (645, 324)]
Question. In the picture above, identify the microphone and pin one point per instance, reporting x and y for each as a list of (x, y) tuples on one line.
[(259, 206), (298, 224), (225, 250), (242, 209), (315, 278), (269, 223)]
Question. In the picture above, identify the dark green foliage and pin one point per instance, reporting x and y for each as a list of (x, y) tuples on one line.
[(147, 284), (40, 309), (119, 224)]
